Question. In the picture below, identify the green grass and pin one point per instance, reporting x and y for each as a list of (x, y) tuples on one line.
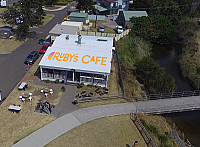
[(104, 132), (98, 21)]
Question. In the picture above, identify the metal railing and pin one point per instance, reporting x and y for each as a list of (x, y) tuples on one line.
[(147, 138)]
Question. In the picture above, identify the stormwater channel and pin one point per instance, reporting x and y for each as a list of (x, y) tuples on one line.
[(187, 122)]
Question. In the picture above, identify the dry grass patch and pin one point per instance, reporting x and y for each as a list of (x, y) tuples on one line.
[(15, 126), (47, 18), (9, 45), (109, 131), (102, 102)]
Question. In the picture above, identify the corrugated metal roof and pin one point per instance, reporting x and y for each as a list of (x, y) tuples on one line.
[(88, 51), (75, 14), (130, 14), (63, 29), (99, 8)]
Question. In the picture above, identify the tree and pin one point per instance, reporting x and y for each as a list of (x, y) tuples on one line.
[(50, 2), (84, 5), (155, 28), (186, 29), (27, 14), (169, 8), (153, 77)]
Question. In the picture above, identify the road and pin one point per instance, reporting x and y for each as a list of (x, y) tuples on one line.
[(12, 67)]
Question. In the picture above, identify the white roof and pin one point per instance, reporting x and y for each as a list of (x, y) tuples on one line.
[(89, 56), (63, 29), (73, 23)]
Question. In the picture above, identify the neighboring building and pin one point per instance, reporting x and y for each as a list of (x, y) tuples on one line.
[(125, 16), (71, 60), (73, 23), (63, 29), (79, 17), (114, 6)]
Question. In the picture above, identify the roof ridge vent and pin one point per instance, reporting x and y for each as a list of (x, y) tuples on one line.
[(102, 40)]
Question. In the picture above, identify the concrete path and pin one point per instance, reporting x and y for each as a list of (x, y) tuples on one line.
[(67, 122)]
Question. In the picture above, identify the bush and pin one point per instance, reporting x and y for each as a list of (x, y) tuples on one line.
[(57, 81), (61, 3), (81, 85), (63, 88), (47, 81)]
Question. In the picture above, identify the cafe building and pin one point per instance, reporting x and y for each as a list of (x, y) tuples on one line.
[(78, 59)]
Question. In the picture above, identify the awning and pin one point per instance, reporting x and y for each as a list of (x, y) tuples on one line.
[(99, 8)]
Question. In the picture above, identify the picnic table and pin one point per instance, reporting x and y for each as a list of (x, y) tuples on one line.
[(23, 85), (14, 108)]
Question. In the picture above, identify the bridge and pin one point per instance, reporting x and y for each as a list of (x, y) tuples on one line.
[(169, 103)]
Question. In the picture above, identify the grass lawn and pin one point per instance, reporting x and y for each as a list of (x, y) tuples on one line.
[(98, 21), (117, 131), (47, 18), (16, 126), (9, 45)]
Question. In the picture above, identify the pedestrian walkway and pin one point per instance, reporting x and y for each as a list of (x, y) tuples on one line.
[(67, 122)]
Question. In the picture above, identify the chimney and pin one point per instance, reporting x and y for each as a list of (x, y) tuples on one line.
[(79, 39)]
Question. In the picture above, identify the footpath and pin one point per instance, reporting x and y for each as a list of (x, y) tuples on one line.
[(69, 121)]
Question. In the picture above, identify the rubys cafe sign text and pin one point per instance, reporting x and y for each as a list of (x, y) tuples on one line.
[(74, 58)]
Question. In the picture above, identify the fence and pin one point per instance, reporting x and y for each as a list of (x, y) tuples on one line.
[(114, 35), (99, 98), (98, 17), (147, 138), (174, 95)]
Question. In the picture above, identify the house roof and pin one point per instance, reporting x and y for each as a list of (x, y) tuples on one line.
[(99, 8), (94, 54), (63, 29), (130, 14), (75, 14)]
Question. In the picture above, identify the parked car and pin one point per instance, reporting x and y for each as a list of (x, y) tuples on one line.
[(44, 48), (101, 29), (119, 29), (32, 57)]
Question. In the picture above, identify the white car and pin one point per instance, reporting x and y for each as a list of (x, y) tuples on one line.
[(119, 29)]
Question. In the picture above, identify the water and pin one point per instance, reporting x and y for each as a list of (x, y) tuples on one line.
[(187, 122)]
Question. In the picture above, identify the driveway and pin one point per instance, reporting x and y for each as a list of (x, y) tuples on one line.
[(12, 67), (109, 22)]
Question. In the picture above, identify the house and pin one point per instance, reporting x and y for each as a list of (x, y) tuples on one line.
[(125, 16), (73, 23), (114, 6), (78, 59), (79, 17)]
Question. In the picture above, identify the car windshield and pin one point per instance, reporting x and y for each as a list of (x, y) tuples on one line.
[(44, 48), (30, 56), (120, 28), (101, 27)]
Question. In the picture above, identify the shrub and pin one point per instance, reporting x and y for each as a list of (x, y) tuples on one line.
[(61, 3), (81, 85), (57, 81), (47, 81), (63, 88)]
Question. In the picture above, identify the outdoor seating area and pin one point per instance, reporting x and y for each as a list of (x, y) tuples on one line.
[(26, 97), (22, 86), (14, 108), (93, 92), (45, 107), (46, 92)]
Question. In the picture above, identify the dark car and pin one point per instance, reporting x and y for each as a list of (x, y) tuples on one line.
[(44, 48), (32, 57)]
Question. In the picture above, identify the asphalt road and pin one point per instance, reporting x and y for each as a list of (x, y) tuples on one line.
[(12, 67)]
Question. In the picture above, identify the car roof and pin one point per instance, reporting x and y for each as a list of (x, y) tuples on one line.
[(33, 52), (101, 26)]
